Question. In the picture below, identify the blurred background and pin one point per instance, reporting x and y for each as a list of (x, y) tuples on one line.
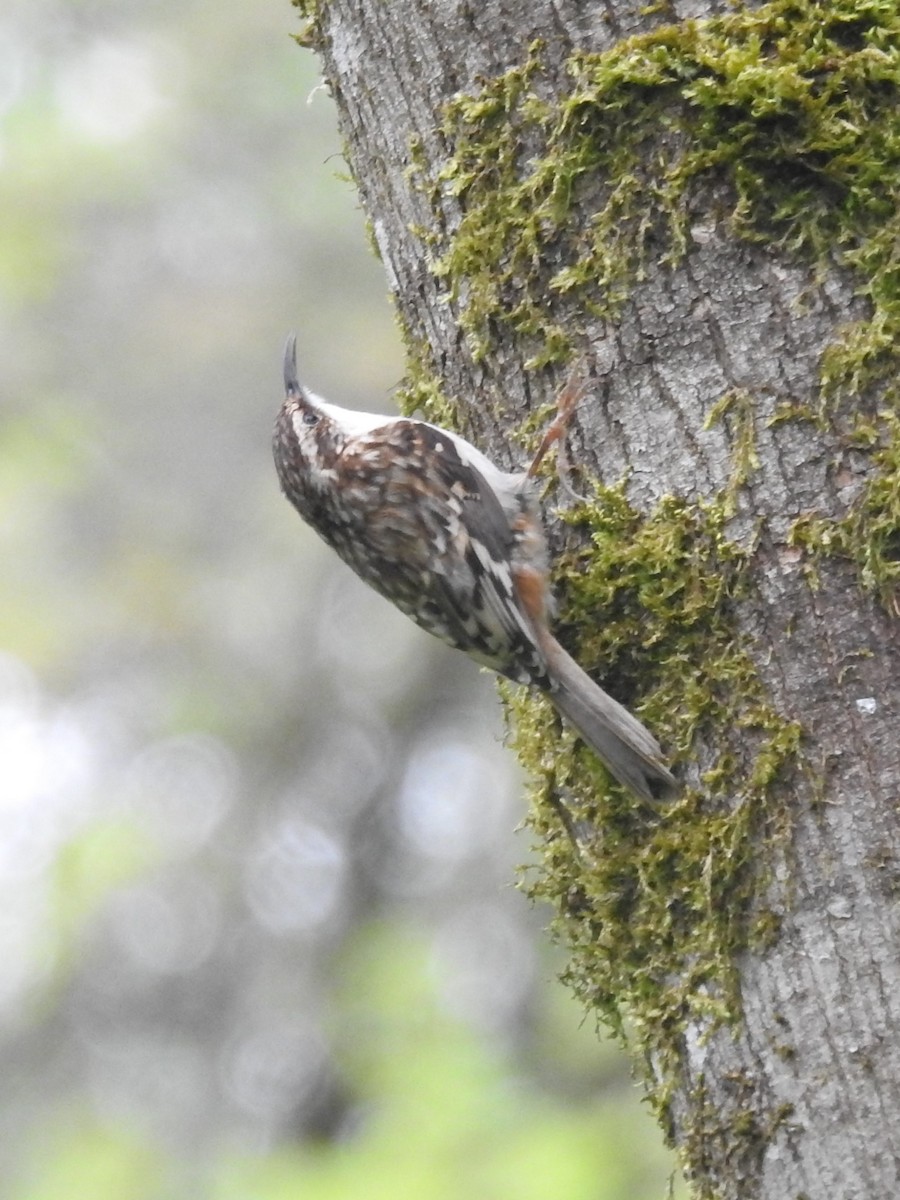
[(259, 932)]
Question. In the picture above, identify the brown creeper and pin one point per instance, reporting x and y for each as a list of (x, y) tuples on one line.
[(457, 544)]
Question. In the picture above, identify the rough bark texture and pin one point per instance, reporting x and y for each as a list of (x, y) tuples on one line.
[(799, 1097)]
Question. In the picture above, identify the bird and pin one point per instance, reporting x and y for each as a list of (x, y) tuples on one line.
[(458, 545)]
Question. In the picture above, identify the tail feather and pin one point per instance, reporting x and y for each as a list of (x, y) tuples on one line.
[(627, 749)]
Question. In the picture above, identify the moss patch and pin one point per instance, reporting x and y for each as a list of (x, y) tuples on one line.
[(869, 534), (662, 899), (792, 104), (313, 13)]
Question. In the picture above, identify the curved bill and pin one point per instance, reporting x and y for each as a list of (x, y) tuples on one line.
[(291, 383)]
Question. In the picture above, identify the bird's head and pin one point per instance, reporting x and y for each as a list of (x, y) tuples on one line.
[(303, 424), (307, 439)]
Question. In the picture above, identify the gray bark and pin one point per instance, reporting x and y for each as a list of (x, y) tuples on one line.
[(815, 1061)]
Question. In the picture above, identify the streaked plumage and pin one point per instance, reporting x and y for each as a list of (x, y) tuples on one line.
[(457, 544)]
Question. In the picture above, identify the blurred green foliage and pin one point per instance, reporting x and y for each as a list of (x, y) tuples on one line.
[(442, 1116), (91, 1163)]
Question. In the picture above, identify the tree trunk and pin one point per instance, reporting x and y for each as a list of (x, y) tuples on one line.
[(700, 204)]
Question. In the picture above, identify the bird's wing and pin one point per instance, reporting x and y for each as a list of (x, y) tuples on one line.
[(445, 543)]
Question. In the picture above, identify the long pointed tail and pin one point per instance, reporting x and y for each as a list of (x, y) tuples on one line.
[(628, 750)]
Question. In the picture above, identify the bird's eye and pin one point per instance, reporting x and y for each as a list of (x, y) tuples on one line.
[(310, 417)]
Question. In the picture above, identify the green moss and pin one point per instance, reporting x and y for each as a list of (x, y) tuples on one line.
[(660, 900), (792, 104), (785, 1052), (421, 393), (731, 1141), (313, 13), (738, 409), (869, 535)]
